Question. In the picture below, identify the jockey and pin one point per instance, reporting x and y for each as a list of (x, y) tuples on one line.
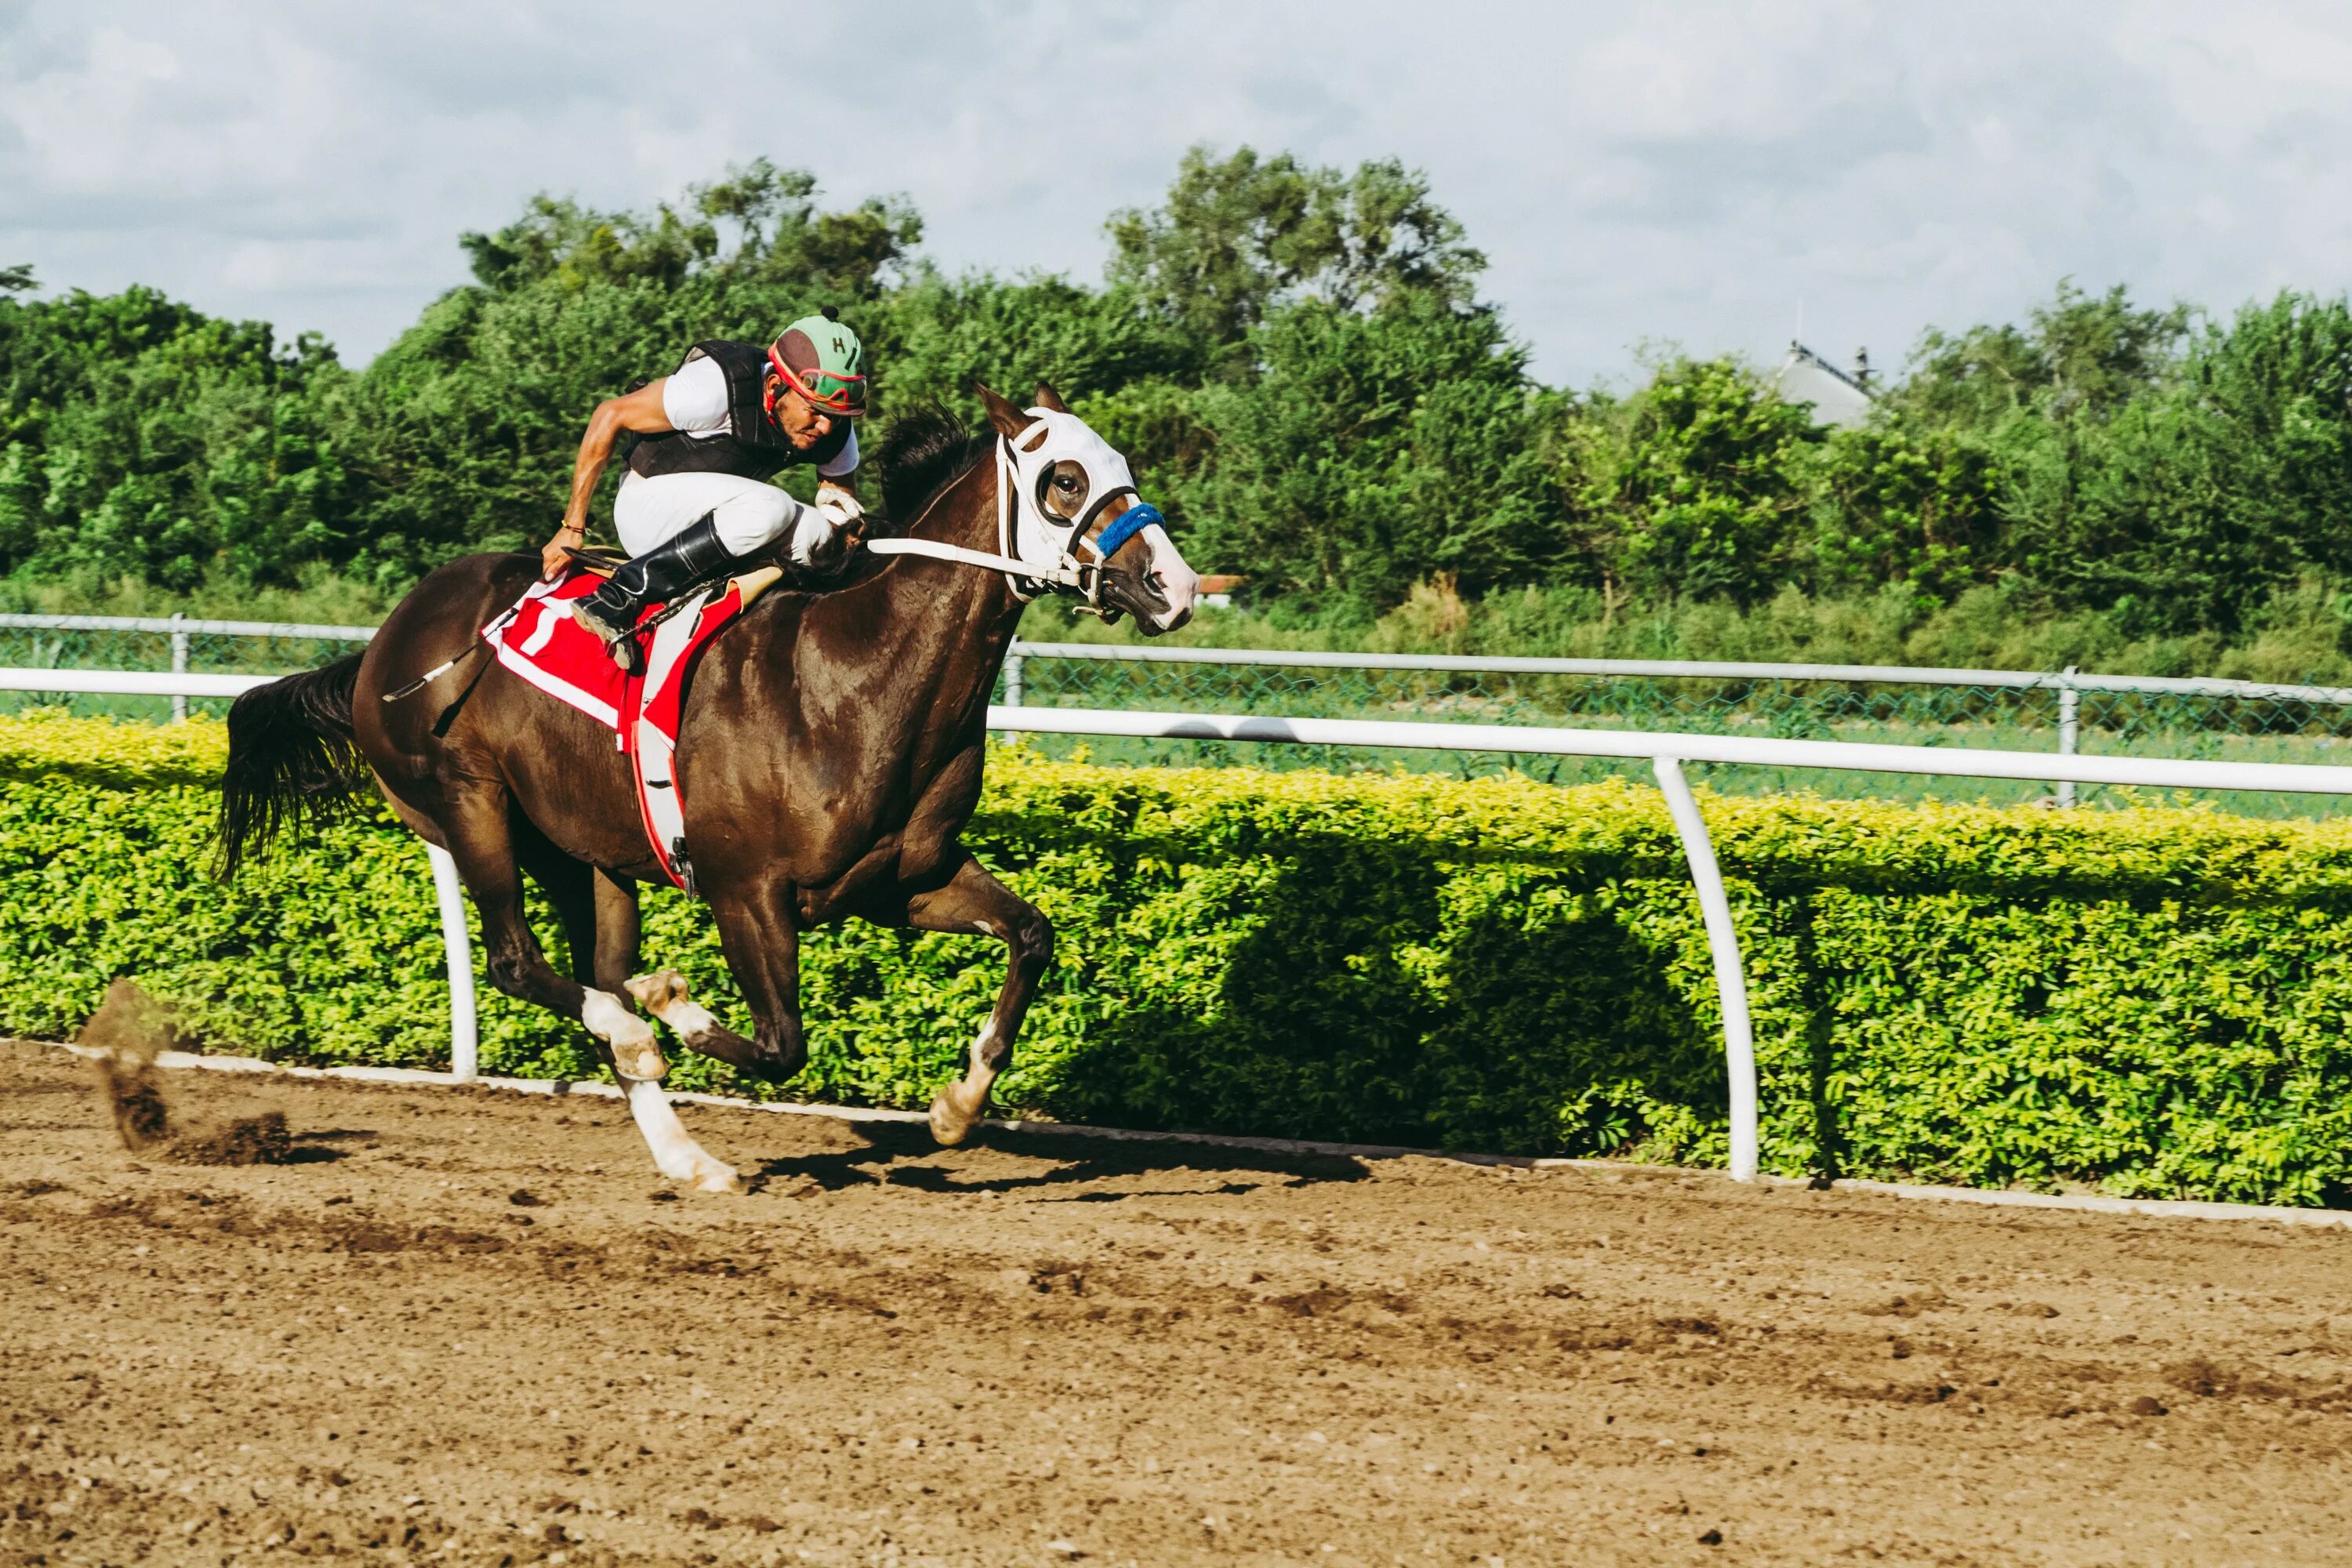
[(709, 436)]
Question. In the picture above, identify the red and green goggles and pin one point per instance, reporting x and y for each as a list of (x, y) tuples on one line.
[(826, 390)]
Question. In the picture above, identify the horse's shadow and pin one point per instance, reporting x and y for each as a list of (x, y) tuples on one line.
[(899, 1154)]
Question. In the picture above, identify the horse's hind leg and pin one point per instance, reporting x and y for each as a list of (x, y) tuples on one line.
[(485, 846), (763, 953), (974, 900)]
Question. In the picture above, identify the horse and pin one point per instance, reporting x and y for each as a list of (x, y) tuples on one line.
[(830, 750)]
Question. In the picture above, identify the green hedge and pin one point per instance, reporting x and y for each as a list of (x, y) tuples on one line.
[(2153, 1001)]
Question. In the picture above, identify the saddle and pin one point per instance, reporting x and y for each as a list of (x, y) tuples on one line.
[(539, 640)]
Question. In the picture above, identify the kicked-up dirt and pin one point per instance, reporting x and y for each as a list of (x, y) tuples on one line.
[(477, 1328)]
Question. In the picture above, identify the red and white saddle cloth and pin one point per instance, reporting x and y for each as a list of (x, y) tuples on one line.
[(539, 640)]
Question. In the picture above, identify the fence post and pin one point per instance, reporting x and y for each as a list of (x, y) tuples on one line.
[(179, 664), (1723, 943), (464, 1038), (1014, 687), (2070, 712)]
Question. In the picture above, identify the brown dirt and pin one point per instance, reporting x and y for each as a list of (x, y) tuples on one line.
[(475, 1327), (263, 1140)]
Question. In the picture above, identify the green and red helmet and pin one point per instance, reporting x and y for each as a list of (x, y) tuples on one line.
[(823, 361)]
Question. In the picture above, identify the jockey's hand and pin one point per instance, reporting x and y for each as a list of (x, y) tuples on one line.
[(841, 509), (558, 553)]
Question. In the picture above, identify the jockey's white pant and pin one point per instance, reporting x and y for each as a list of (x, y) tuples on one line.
[(749, 512)]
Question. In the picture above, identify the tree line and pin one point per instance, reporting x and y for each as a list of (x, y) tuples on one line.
[(1300, 362)]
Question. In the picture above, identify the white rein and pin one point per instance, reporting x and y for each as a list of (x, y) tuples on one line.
[(1064, 440)]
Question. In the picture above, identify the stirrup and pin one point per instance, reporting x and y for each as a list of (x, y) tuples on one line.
[(625, 652), (620, 646)]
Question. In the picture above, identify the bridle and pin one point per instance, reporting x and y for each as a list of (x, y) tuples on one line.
[(1023, 467)]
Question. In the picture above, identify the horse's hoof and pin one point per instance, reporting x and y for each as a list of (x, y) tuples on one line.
[(656, 991), (950, 1123), (710, 1176)]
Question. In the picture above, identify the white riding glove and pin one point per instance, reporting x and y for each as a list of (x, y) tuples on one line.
[(838, 507)]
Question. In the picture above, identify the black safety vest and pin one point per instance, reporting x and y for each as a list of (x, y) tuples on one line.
[(751, 445)]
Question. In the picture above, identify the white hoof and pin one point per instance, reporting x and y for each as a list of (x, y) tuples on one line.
[(664, 994), (676, 1156), (655, 991)]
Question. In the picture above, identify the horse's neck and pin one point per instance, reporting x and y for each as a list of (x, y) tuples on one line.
[(947, 625)]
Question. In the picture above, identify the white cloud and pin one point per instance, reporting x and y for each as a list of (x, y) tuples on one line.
[(1698, 171)]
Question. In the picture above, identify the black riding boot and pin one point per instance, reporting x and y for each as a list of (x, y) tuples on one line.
[(691, 557)]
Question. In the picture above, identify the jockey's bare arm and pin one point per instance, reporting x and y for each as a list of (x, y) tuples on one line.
[(640, 411)]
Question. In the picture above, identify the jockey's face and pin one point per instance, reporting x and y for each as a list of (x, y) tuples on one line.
[(802, 424)]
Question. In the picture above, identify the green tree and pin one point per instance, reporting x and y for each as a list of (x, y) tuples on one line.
[(2080, 356), (1898, 502), (121, 417), (1372, 451), (1704, 488), (758, 223), (2190, 507), (1239, 237)]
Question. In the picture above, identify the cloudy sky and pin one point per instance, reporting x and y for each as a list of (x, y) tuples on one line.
[(1708, 173)]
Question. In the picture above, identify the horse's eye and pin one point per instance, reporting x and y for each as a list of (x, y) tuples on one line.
[(1066, 482)]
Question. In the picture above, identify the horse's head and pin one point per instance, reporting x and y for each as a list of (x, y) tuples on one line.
[(1076, 500)]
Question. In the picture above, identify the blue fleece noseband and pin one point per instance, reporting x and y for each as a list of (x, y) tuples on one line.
[(1126, 526)]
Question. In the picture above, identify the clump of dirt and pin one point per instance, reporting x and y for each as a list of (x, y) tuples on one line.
[(128, 1030), (262, 1139)]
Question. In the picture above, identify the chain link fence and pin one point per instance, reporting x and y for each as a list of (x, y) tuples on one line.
[(2057, 712), (176, 643)]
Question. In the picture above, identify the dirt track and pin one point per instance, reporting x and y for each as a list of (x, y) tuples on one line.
[(477, 1328)]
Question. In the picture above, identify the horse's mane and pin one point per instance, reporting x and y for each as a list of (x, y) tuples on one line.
[(927, 450)]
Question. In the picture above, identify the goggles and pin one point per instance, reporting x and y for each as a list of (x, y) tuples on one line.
[(842, 394)]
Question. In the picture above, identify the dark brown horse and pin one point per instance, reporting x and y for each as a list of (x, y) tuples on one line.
[(829, 754)]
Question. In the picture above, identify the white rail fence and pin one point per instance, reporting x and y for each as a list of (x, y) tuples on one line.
[(1665, 754), (2071, 684), (181, 628)]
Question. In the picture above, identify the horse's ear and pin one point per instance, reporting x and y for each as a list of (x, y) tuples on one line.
[(1049, 398), (1009, 421)]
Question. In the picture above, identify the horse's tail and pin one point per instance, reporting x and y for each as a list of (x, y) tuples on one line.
[(291, 761)]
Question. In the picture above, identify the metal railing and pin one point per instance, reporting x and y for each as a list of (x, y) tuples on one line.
[(2067, 711), (1665, 754)]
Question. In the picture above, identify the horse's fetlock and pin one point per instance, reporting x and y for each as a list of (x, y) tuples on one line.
[(1036, 937), (781, 1057), (510, 975)]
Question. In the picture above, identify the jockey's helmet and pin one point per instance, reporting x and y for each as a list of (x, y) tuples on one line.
[(822, 359)]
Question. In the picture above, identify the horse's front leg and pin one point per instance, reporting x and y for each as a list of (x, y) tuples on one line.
[(974, 900)]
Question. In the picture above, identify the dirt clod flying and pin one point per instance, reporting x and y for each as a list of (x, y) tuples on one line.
[(129, 1029)]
